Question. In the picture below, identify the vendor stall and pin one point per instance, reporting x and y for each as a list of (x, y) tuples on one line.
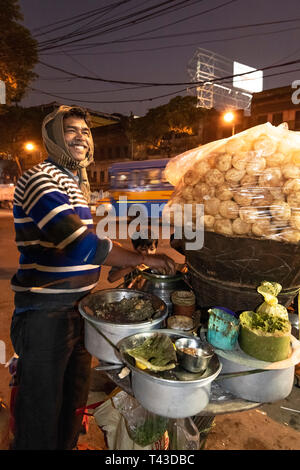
[(160, 384), (217, 338)]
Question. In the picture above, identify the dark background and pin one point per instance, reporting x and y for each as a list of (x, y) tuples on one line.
[(158, 60)]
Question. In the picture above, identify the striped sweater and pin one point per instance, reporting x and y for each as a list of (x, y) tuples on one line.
[(60, 255)]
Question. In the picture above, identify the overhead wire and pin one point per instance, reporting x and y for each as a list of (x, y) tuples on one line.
[(113, 16), (95, 18), (195, 85), (79, 63), (75, 76), (208, 41), (97, 92), (150, 84), (127, 82), (76, 18), (189, 33), (107, 23), (136, 37), (43, 46), (133, 21)]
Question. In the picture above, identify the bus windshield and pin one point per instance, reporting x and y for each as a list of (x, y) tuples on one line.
[(141, 182), (138, 176)]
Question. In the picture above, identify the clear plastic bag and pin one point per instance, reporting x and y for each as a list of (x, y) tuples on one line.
[(249, 184), (143, 427), (184, 435)]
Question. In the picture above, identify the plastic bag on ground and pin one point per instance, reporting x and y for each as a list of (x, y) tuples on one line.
[(143, 427), (184, 435), (119, 430)]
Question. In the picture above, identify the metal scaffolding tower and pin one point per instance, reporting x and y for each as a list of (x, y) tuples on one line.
[(206, 66)]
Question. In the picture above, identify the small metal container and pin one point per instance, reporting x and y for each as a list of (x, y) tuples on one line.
[(190, 362), (183, 302), (162, 285), (180, 322)]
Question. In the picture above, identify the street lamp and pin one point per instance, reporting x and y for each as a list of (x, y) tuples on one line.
[(34, 152), (29, 146), (229, 117)]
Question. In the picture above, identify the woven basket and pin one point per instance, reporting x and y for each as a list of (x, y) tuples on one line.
[(227, 271)]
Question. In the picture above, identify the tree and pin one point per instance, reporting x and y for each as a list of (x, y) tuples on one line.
[(180, 117), (17, 126), (18, 52)]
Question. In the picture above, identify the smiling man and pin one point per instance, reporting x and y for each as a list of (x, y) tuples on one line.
[(77, 137), (60, 262)]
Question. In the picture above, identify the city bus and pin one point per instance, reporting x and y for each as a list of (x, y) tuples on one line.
[(141, 182)]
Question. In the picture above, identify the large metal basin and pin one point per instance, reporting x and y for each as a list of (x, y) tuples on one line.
[(170, 398), (94, 342), (250, 379), (264, 387)]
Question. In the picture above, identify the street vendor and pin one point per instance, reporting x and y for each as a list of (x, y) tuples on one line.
[(60, 260)]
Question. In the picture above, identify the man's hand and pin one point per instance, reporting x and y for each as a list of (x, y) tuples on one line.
[(162, 263), (119, 256)]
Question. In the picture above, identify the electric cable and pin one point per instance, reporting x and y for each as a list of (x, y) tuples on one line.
[(53, 46), (127, 82), (132, 22), (79, 17), (190, 33), (149, 98), (209, 41)]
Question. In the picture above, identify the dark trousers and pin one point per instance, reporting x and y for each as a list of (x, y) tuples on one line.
[(53, 374)]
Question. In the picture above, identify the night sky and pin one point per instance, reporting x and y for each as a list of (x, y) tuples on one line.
[(161, 60)]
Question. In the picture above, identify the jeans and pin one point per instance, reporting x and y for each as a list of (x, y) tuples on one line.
[(53, 374)]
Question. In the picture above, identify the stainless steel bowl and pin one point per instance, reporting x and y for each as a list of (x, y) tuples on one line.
[(199, 357), (94, 342), (89, 305)]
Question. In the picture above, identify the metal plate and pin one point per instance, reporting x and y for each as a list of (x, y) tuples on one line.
[(178, 375), (90, 303)]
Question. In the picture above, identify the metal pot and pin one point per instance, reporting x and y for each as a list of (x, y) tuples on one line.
[(165, 397), (264, 387), (163, 285), (94, 342), (294, 321)]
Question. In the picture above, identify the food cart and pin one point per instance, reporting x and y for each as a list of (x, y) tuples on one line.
[(233, 382), (249, 186)]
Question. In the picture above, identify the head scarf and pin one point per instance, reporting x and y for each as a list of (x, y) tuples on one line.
[(54, 141)]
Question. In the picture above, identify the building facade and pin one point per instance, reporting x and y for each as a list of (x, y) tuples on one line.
[(276, 105), (111, 145)]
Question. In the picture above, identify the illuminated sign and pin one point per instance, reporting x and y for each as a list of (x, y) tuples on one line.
[(251, 82)]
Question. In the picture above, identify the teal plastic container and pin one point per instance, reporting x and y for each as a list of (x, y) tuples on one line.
[(223, 328)]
